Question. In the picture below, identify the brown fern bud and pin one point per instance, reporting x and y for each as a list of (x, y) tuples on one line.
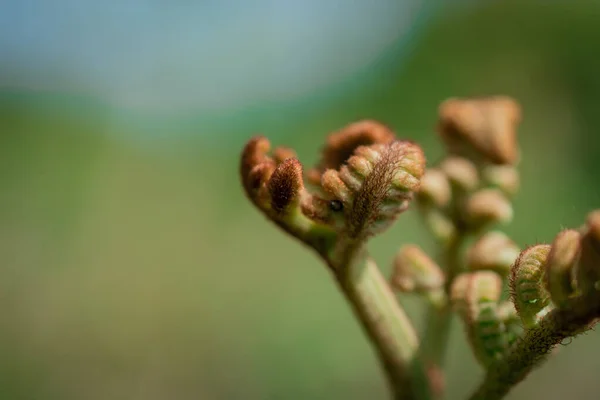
[(559, 267), (341, 145), (487, 206), (528, 292), (482, 128), (374, 186), (286, 185), (271, 186), (358, 198), (257, 179), (588, 271), (504, 177), (435, 188), (255, 167), (415, 271), (275, 186), (382, 190), (461, 172), (493, 251)]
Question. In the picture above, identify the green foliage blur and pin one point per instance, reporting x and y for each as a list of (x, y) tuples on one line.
[(141, 272)]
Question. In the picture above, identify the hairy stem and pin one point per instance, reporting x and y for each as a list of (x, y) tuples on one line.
[(439, 320), (387, 326), (531, 350)]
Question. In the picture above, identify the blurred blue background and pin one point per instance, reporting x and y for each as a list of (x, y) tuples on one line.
[(131, 265)]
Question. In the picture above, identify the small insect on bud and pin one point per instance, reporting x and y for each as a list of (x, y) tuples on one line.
[(415, 271), (504, 177), (461, 172), (494, 251), (336, 205), (485, 327), (333, 185), (588, 272), (482, 128), (559, 274), (487, 206), (435, 188), (526, 283)]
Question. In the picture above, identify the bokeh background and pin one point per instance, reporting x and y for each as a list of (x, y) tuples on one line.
[(131, 265)]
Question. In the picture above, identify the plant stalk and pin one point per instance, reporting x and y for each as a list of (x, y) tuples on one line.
[(387, 326), (439, 320)]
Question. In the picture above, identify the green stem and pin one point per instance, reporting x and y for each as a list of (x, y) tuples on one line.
[(387, 326), (439, 320), (437, 335), (532, 350)]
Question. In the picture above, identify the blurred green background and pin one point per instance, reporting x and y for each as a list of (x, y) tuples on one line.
[(140, 271)]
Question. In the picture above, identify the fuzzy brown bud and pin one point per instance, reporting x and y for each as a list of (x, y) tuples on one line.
[(255, 167), (286, 185), (483, 128), (373, 187), (275, 185), (382, 189), (415, 271), (494, 251)]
